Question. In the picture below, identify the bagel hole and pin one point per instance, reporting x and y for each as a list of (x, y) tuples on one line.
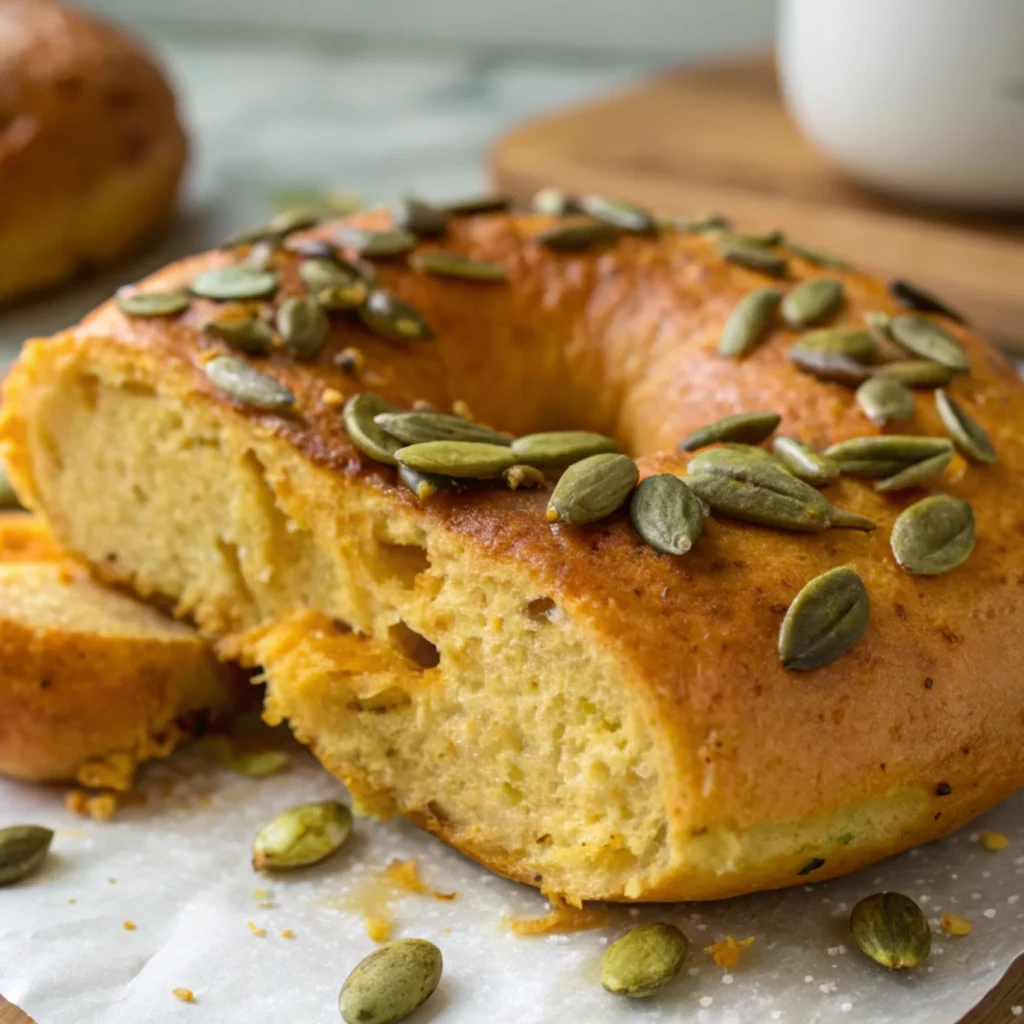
[(414, 646), (401, 563)]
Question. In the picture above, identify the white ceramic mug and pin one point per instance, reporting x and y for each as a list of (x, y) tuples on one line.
[(924, 98)]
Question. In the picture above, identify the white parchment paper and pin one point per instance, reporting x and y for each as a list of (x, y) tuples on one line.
[(178, 867)]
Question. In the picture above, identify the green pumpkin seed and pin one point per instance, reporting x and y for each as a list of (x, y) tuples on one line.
[(916, 373), (884, 400), (871, 468), (261, 256), (258, 764), (323, 272), (917, 474), (454, 264), (819, 257), (560, 447), (359, 419), (667, 514), (23, 849), (419, 427), (699, 225), (891, 929), (393, 318), (302, 835), (804, 461), (707, 461), (812, 301), (463, 459), (377, 245), (922, 337), (842, 519), (905, 448), (622, 215), (749, 322), (910, 296), (760, 260), (278, 227), (234, 282), (555, 203), (592, 489), (748, 427), (521, 475), (426, 485), (315, 248), (970, 436), (644, 960), (752, 451), (342, 297), (247, 385), (250, 334), (153, 303), (389, 984), (8, 496), (419, 218), (749, 239), (852, 342), (303, 326), (578, 236), (825, 620), (934, 535), (473, 205)]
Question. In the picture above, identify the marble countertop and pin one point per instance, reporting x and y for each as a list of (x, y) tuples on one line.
[(271, 110)]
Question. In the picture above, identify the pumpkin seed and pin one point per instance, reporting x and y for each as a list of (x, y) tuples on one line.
[(419, 218), (934, 535), (804, 461), (911, 296), (493, 203), (891, 929), (23, 849), (418, 427), (464, 459), (247, 385), (359, 419), (870, 468), (916, 373), (905, 448), (884, 400), (619, 214), (521, 475), (922, 337), (970, 436), (315, 248), (760, 260), (323, 272), (278, 227), (644, 960), (825, 620), (303, 326), (393, 318), (341, 297), (577, 236), (426, 485), (749, 322), (555, 203), (153, 303), (386, 986), (377, 245), (454, 264), (592, 489), (749, 239), (752, 451), (842, 519), (748, 427), (852, 342), (707, 460), (667, 514), (699, 225), (8, 496), (249, 334), (829, 366), (260, 256), (812, 301), (560, 447), (258, 764), (302, 835), (819, 257), (917, 474), (234, 282)]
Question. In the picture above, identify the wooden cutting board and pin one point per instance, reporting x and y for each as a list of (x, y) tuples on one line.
[(717, 138)]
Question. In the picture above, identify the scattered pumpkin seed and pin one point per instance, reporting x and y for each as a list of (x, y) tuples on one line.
[(891, 929), (247, 385), (454, 264), (472, 205), (852, 342), (521, 475), (702, 224), (905, 448), (842, 519), (707, 460), (578, 236), (278, 227), (917, 474), (419, 427), (804, 461), (825, 620), (592, 489), (830, 366), (753, 451), (667, 514), (749, 239), (555, 203), (819, 257), (248, 334), (916, 373), (386, 986), (315, 248), (748, 427), (303, 326), (749, 322), (464, 459), (393, 318), (260, 256), (8, 496), (760, 260), (302, 835), (257, 764), (934, 535), (23, 849), (324, 272), (644, 960), (912, 297), (234, 282), (560, 447), (342, 297), (359, 419), (968, 434), (885, 400), (377, 245), (871, 468), (419, 218), (619, 214), (426, 485), (925, 338), (153, 303), (812, 301)]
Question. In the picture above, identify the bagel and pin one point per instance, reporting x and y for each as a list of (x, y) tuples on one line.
[(565, 703), (91, 148)]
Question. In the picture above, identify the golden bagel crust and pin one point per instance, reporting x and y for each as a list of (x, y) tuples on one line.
[(91, 148), (724, 773)]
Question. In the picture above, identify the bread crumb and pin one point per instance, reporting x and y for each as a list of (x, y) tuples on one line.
[(993, 840), (75, 801), (260, 894), (405, 874), (727, 952), (954, 924), (260, 933), (378, 929), (332, 397), (184, 994), (128, 926), (446, 896), (287, 933), (102, 807), (265, 905), (562, 919), (461, 408)]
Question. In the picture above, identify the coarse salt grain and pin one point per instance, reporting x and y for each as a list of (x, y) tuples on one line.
[(726, 979), (706, 1000), (990, 913), (1017, 1010)]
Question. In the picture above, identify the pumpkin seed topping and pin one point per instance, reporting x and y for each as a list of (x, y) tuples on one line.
[(23, 849), (393, 318), (454, 264), (419, 427), (560, 447), (592, 489), (749, 322), (342, 297), (359, 419), (426, 485), (852, 342), (302, 835), (389, 984), (419, 218), (377, 245), (748, 427), (819, 257), (749, 239), (905, 448), (667, 514), (934, 535), (555, 203), (709, 460), (912, 297), (247, 385), (917, 474), (261, 256), (916, 373), (521, 475), (812, 301), (235, 281), (278, 227), (968, 434), (578, 236), (891, 929), (644, 960), (842, 519), (885, 400), (315, 248), (700, 225), (323, 272), (619, 214), (825, 620), (760, 260), (148, 304), (303, 326), (925, 338), (804, 461), (464, 459), (473, 205), (248, 334), (830, 366), (871, 468)]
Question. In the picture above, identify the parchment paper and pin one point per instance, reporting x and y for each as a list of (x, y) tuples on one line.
[(178, 868)]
